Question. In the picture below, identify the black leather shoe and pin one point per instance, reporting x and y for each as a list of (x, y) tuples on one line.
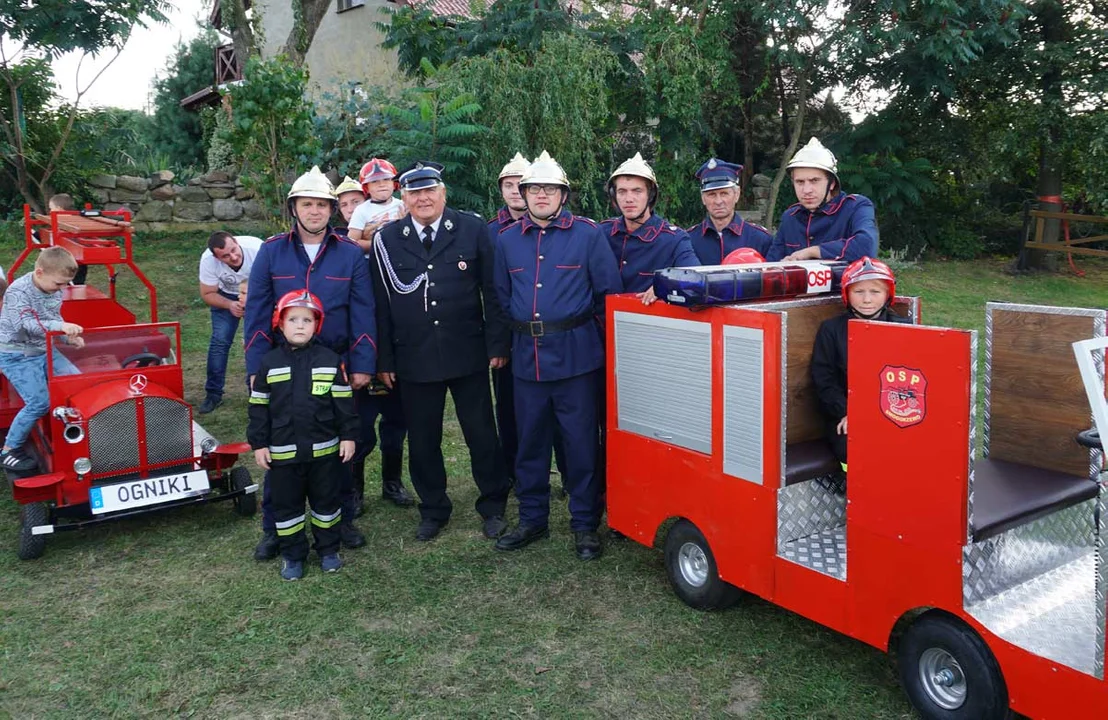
[(494, 527), (429, 529), (521, 537), (357, 502), (392, 487), (350, 535), (210, 403), (587, 545), (267, 546)]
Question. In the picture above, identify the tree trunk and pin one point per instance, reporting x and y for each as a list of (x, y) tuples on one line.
[(1052, 30), (242, 35), (790, 149), (311, 14), (785, 139)]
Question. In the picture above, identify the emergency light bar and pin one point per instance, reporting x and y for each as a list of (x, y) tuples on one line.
[(721, 284)]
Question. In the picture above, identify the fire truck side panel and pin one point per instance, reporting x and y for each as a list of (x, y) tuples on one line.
[(1046, 690), (910, 412)]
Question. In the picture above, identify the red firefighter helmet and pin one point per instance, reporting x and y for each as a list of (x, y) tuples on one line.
[(299, 298), (377, 169), (743, 256), (868, 269)]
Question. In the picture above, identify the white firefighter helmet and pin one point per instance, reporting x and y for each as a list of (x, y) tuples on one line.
[(516, 167), (636, 167), (349, 184), (545, 171), (815, 155), (312, 184)]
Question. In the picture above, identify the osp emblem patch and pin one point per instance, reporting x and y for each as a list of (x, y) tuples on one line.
[(903, 396)]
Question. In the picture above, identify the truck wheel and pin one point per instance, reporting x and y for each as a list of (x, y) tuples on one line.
[(245, 505), (692, 571), (32, 546), (949, 673)]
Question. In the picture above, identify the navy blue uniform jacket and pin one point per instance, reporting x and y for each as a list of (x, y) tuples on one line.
[(338, 276), (653, 246), (712, 246), (551, 274), (843, 227)]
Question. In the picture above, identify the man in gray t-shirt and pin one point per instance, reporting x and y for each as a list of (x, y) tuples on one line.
[(224, 266)]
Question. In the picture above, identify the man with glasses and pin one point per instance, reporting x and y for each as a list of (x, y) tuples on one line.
[(440, 328), (641, 240), (552, 274)]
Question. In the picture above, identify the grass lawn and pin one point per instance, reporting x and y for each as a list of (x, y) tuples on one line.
[(170, 615)]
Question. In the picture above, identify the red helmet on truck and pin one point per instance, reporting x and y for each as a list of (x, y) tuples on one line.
[(868, 269), (299, 298), (743, 256)]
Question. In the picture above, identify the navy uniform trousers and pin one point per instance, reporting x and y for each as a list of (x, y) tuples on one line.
[(568, 407), (503, 386), (388, 407)]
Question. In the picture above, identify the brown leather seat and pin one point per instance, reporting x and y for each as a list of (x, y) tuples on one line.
[(1006, 495), (808, 460)]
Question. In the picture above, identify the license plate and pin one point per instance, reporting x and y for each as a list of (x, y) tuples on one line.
[(150, 491)]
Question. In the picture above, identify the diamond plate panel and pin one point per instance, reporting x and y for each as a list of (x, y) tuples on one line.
[(824, 552), (808, 508), (1022, 553), (1101, 600), (1053, 616)]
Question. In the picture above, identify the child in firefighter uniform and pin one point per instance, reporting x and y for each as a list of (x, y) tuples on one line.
[(303, 426), (868, 287)]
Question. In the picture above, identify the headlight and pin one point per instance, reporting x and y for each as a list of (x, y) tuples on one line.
[(82, 466)]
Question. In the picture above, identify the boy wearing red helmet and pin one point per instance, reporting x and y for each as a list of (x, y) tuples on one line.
[(868, 286), (378, 179), (303, 426)]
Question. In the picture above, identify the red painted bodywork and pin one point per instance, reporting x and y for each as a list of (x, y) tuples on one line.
[(111, 337), (907, 510)]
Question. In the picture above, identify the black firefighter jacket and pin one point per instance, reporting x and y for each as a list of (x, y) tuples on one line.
[(449, 324), (301, 405)]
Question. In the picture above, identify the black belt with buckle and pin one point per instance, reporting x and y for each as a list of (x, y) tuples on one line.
[(538, 328)]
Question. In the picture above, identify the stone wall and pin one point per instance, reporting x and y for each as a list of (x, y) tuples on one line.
[(216, 198), (758, 193)]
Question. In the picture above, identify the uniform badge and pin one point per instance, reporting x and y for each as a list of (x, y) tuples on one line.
[(449, 226), (462, 265), (712, 164), (407, 231), (903, 396)]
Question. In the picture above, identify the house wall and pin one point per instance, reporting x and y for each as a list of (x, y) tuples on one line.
[(345, 48)]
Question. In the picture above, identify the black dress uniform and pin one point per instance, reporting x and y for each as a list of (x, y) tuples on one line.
[(439, 324), (301, 407)]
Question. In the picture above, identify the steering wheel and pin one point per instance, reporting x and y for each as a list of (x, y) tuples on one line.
[(142, 359)]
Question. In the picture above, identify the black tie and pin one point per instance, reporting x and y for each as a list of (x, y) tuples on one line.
[(427, 233)]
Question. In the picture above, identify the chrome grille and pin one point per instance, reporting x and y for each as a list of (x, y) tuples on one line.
[(113, 439), (168, 430)]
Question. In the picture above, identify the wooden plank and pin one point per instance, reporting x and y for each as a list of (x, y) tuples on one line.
[(1062, 247), (1037, 401), (1074, 217), (804, 421)]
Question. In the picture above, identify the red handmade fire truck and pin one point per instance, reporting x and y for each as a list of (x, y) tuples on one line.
[(982, 572), (119, 439)]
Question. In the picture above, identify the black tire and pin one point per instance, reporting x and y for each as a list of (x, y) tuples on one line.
[(971, 685), (692, 570), (245, 505), (32, 546)]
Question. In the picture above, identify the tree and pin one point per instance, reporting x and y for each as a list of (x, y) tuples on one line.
[(271, 126), (437, 124), (43, 30), (307, 16), (179, 132), (234, 20)]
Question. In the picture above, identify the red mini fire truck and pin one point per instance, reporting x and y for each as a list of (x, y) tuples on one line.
[(119, 439), (983, 573)]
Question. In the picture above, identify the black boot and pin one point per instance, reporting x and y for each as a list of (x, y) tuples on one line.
[(267, 546), (392, 487), (350, 535), (357, 471)]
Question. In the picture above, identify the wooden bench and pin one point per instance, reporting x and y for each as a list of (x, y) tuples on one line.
[(1035, 407)]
